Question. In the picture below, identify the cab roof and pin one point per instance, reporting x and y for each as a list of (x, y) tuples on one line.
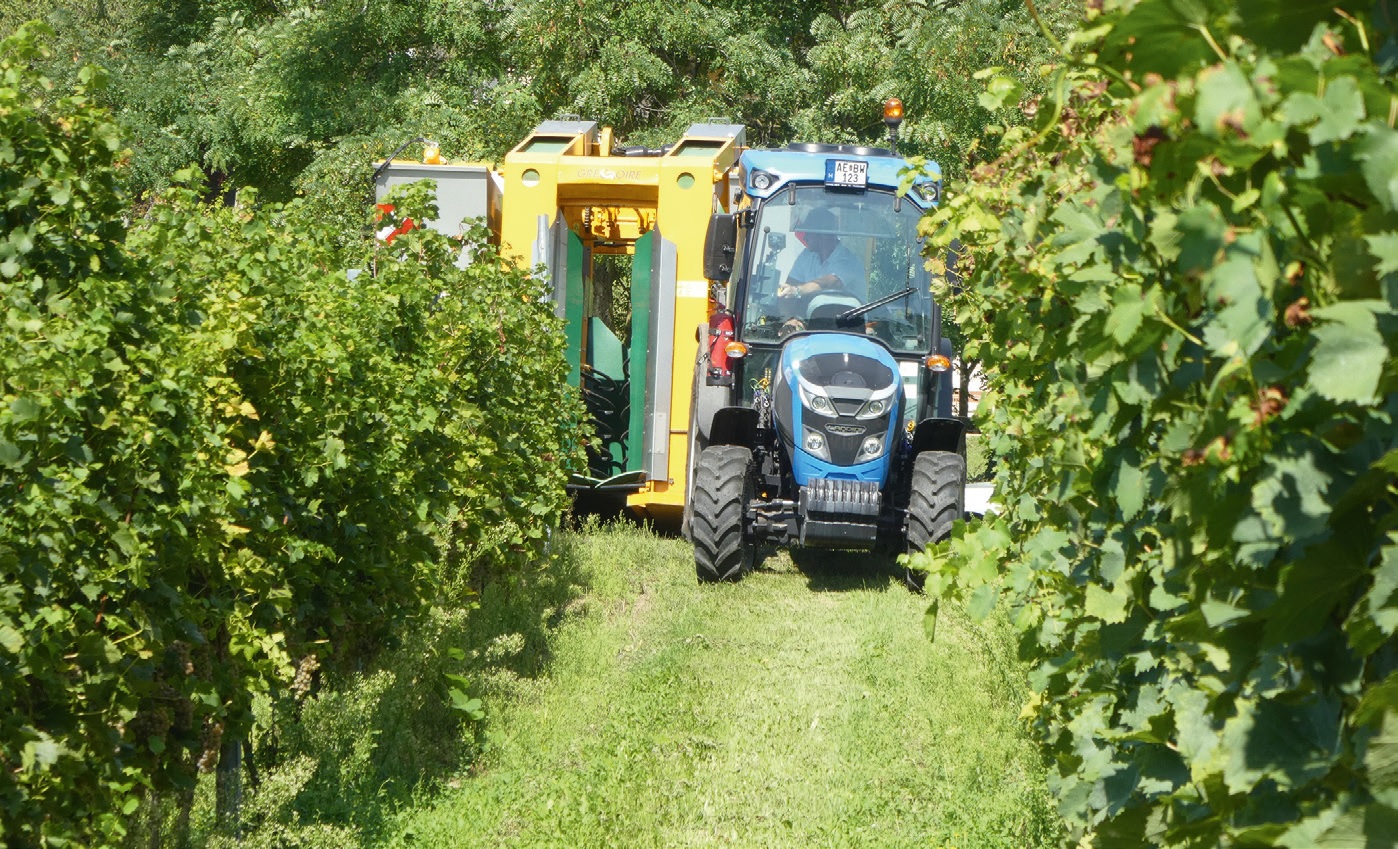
[(805, 163)]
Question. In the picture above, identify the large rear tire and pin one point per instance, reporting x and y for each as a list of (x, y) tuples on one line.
[(937, 499), (722, 489)]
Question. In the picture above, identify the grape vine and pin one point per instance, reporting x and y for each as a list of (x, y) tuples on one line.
[(1183, 280), (225, 461)]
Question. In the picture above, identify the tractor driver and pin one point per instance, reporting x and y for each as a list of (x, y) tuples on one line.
[(825, 264)]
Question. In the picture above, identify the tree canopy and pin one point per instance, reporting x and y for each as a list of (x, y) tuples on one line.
[(298, 99)]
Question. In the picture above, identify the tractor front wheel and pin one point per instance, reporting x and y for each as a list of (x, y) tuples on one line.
[(722, 489), (938, 499)]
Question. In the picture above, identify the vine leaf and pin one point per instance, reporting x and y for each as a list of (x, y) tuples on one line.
[(1245, 323), (1130, 490), (1107, 605), (1350, 352), (1380, 604), (1337, 113), (1165, 36), (1129, 309), (1382, 761), (1378, 153), (1199, 240), (929, 621), (1358, 828), (1283, 26), (1225, 100), (1384, 247), (1001, 91)]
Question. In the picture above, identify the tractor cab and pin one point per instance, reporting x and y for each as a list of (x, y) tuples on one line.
[(821, 413), (872, 243)]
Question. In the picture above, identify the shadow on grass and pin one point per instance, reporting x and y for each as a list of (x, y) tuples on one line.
[(597, 506), (334, 767), (508, 631), (844, 571)]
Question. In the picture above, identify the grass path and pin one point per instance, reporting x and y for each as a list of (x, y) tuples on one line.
[(802, 707)]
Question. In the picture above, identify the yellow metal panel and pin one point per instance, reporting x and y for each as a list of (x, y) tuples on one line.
[(523, 202), (692, 188), (623, 197), (604, 172)]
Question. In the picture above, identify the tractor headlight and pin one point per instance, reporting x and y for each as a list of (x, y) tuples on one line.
[(815, 400), (815, 444), (871, 448), (878, 404), (873, 409)]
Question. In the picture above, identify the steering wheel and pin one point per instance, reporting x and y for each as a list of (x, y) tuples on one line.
[(831, 304)]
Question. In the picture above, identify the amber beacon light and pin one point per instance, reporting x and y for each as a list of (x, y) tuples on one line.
[(892, 117), (893, 112)]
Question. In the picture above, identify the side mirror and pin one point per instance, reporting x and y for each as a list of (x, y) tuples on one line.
[(720, 244)]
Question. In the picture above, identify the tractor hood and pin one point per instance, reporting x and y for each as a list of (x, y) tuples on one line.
[(838, 406)]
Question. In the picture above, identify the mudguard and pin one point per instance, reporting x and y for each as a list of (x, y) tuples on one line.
[(705, 400), (734, 426), (939, 435)]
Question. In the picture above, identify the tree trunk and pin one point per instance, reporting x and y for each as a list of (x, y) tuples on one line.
[(229, 784), (186, 803), (155, 820), (965, 368)]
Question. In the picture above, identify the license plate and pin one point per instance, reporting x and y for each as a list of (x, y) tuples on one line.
[(848, 173)]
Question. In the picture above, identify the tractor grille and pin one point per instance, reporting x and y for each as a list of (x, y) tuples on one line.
[(843, 449), (824, 497)]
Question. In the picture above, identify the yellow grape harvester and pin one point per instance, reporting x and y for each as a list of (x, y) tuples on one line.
[(619, 234)]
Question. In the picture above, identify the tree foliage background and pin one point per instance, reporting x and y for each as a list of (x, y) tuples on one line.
[(299, 98)]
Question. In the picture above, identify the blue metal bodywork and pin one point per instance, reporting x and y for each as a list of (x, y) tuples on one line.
[(775, 169), (804, 465)]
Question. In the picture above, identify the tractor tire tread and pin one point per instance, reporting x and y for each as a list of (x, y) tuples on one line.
[(937, 499), (716, 521)]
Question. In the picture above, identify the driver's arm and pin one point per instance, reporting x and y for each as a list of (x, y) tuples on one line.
[(793, 286), (799, 281), (847, 272)]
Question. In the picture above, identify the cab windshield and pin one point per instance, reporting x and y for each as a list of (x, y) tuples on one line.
[(825, 259)]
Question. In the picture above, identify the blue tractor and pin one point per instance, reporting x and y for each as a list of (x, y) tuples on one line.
[(821, 405)]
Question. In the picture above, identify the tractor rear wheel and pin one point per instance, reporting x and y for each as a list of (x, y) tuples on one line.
[(938, 499), (722, 489)]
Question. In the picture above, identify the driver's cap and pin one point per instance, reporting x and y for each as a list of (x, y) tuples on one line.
[(819, 221)]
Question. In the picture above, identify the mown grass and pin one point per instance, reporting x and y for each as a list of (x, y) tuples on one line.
[(628, 706), (803, 707)]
